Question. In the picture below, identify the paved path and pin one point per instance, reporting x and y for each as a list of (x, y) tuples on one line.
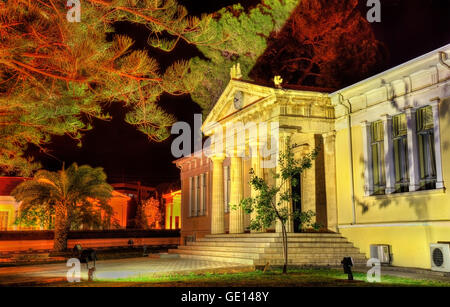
[(113, 269)]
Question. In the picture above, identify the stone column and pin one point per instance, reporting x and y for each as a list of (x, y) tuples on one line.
[(437, 143), (413, 159), (329, 141), (258, 171), (217, 207), (388, 155), (308, 180), (289, 223), (236, 195)]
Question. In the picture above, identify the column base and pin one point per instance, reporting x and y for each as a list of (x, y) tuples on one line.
[(389, 190), (413, 188)]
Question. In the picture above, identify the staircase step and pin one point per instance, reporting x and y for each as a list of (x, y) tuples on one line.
[(273, 239), (274, 235), (277, 255), (291, 249), (305, 249), (270, 244)]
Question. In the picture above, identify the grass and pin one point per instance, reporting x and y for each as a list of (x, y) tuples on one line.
[(273, 278)]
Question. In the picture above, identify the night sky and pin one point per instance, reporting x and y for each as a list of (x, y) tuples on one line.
[(409, 28)]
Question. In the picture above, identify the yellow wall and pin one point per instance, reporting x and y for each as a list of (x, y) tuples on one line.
[(425, 214), (409, 244)]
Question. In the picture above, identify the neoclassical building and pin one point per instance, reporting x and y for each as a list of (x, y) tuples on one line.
[(382, 168)]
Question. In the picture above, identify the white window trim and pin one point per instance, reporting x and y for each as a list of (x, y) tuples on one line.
[(413, 159), (368, 174), (437, 143), (388, 154)]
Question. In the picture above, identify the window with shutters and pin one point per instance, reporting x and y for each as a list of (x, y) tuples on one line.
[(377, 148), (400, 151), (425, 146)]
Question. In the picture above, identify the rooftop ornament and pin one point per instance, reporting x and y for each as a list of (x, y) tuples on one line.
[(235, 71), (277, 81)]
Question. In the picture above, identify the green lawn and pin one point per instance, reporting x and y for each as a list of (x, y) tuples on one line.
[(274, 278)]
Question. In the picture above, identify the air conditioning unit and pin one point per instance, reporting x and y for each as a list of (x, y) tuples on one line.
[(380, 252), (440, 257)]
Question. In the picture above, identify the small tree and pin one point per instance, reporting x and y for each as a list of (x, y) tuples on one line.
[(270, 202)]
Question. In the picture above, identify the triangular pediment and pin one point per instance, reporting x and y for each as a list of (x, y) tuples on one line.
[(237, 96)]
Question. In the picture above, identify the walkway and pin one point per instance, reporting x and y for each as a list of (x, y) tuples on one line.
[(113, 269)]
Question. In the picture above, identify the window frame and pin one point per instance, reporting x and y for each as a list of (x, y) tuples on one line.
[(377, 141), (426, 148), (400, 153)]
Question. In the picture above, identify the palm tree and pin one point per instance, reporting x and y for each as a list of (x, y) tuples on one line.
[(65, 192)]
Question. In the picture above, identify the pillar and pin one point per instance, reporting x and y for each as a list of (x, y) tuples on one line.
[(217, 207), (329, 141), (258, 171), (236, 195), (413, 159), (437, 143)]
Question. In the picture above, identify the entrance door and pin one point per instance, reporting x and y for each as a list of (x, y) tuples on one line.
[(296, 203)]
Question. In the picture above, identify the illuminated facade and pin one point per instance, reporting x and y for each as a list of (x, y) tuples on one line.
[(9, 207), (8, 204), (135, 192), (380, 182), (172, 208)]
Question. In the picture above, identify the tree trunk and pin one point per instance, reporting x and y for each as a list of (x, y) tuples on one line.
[(61, 228), (285, 247)]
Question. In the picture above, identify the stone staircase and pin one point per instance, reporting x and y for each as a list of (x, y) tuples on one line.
[(304, 249)]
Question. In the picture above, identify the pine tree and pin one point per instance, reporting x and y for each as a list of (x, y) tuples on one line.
[(54, 74), (244, 36)]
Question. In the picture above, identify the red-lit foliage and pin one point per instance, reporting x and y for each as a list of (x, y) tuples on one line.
[(325, 43), (150, 217)]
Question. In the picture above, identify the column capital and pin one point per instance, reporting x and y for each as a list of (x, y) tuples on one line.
[(218, 157), (365, 123), (385, 117), (329, 135), (409, 110), (284, 134), (435, 101)]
